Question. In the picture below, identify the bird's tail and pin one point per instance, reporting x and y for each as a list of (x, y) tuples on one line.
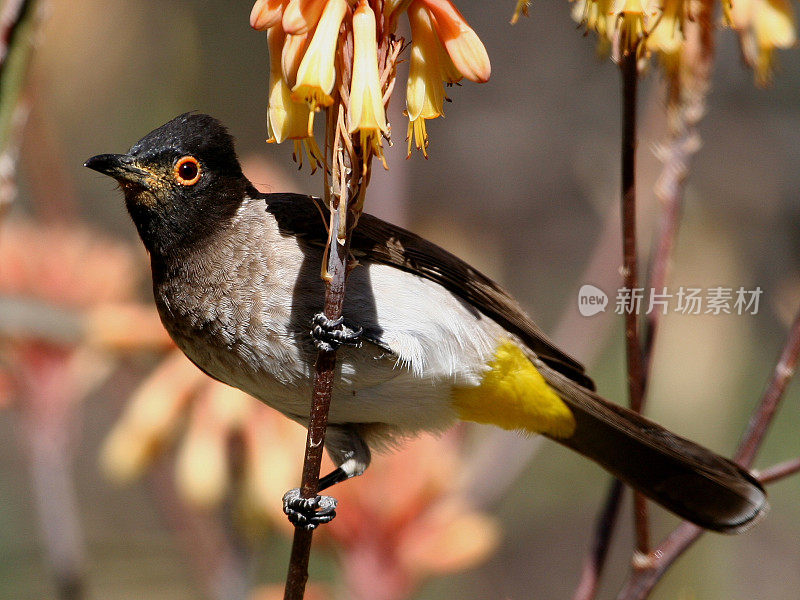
[(691, 481)]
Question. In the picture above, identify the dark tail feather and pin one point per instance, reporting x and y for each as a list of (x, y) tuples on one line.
[(691, 481)]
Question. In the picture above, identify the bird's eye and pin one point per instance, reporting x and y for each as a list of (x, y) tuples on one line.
[(187, 170)]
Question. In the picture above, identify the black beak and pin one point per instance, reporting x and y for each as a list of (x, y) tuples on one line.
[(121, 167)]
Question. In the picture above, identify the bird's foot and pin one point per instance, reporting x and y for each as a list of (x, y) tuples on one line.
[(330, 334), (308, 513)]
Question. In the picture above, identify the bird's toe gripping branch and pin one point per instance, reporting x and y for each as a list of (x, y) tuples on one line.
[(308, 513), (330, 334)]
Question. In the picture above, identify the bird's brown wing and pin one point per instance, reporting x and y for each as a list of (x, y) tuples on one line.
[(377, 241)]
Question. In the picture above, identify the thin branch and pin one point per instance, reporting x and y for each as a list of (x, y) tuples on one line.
[(779, 471), (324, 372), (595, 561), (350, 165), (761, 419), (606, 522), (642, 581), (633, 348), (688, 85)]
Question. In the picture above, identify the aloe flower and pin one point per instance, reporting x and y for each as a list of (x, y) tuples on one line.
[(367, 115), (316, 74), (462, 44), (312, 40), (425, 90), (286, 119)]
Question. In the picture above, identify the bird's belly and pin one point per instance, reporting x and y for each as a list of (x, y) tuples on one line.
[(260, 348), (369, 389)]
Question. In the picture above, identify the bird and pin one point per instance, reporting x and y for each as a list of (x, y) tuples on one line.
[(425, 340)]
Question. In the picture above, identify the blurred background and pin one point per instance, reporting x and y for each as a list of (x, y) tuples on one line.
[(126, 475)]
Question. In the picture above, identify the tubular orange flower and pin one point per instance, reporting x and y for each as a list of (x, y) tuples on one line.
[(294, 48), (287, 119), (461, 42), (316, 74), (301, 16), (424, 91), (366, 112), (266, 13), (430, 66)]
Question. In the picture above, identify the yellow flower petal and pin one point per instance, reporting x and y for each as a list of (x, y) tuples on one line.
[(424, 90), (366, 111), (316, 74), (366, 99), (286, 119), (774, 24), (666, 36)]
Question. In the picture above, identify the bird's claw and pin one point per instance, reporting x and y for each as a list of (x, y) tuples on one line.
[(330, 334), (308, 513)]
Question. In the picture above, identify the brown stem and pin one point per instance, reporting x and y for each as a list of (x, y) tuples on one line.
[(762, 417), (595, 561), (642, 581), (633, 349), (606, 521), (779, 471), (324, 372), (688, 84)]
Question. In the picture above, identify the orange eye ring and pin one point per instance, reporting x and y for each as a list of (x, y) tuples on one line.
[(187, 170)]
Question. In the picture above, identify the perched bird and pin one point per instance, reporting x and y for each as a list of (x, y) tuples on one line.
[(236, 282)]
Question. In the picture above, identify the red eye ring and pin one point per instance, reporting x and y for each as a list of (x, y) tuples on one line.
[(187, 170)]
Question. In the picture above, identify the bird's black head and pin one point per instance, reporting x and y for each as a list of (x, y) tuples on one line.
[(181, 181)]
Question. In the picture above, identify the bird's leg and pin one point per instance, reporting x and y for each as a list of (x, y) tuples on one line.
[(330, 334), (336, 476), (308, 513), (347, 449)]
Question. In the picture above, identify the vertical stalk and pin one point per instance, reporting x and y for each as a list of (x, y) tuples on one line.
[(633, 348), (594, 563), (324, 371), (596, 559)]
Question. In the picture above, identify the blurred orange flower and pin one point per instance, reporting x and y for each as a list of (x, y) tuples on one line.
[(406, 519)]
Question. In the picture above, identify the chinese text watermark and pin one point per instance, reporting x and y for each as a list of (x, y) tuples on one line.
[(717, 300)]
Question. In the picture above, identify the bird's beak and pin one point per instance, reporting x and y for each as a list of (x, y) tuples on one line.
[(121, 167)]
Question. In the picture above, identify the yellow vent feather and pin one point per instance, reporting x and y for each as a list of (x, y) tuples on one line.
[(514, 395)]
